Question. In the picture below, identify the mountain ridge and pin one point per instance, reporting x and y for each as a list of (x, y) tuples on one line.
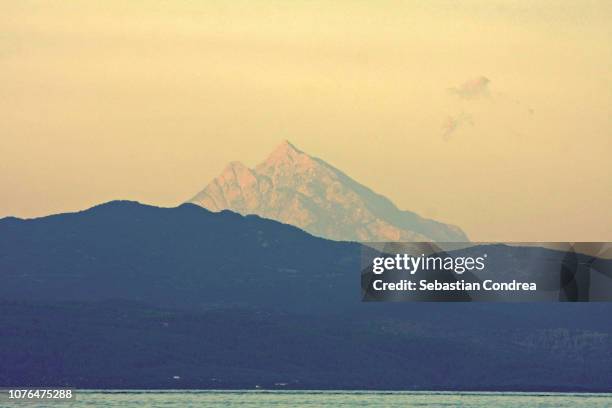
[(126, 295), (295, 188)]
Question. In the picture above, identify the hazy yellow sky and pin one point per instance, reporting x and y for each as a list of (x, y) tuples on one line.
[(493, 115)]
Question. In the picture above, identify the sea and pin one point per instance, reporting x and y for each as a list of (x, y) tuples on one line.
[(313, 399)]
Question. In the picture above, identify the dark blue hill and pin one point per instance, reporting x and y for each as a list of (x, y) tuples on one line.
[(125, 295)]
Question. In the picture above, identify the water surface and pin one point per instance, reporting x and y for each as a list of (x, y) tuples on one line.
[(313, 399)]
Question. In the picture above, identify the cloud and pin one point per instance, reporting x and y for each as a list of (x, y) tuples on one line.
[(448, 128), (472, 89), (453, 123)]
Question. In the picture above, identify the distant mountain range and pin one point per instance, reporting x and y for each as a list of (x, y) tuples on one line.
[(125, 295), (295, 188)]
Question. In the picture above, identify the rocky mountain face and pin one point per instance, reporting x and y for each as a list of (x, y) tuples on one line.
[(295, 188)]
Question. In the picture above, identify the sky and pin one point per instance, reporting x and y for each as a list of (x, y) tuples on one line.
[(492, 115)]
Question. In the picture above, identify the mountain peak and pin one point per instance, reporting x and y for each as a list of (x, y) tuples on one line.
[(287, 147), (285, 152), (293, 187)]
